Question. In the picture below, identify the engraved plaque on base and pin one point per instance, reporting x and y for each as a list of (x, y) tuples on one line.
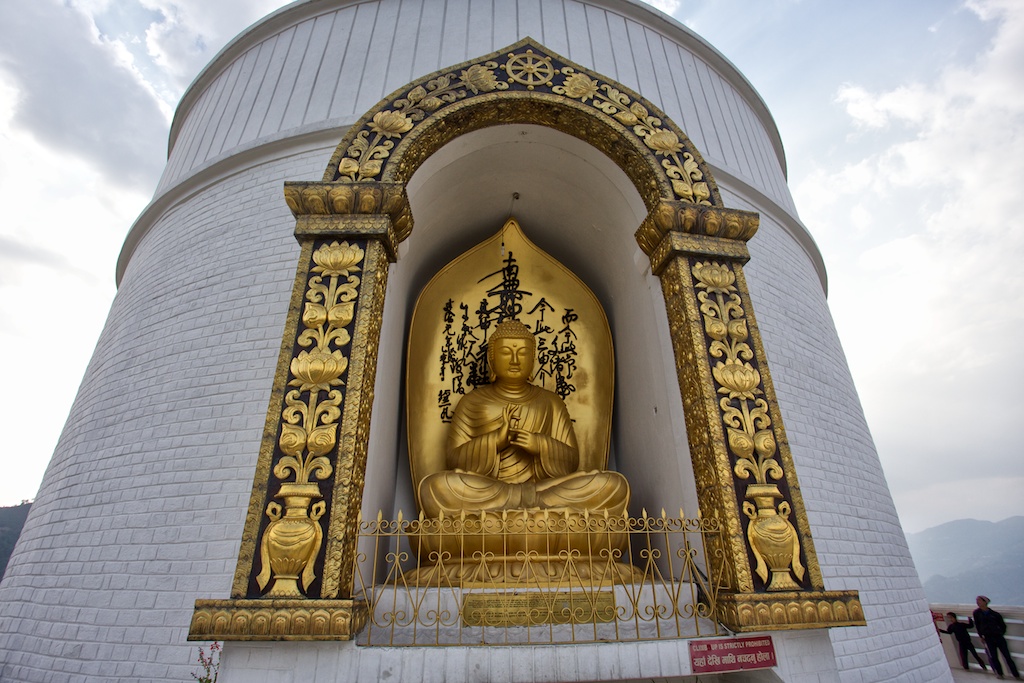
[(534, 609)]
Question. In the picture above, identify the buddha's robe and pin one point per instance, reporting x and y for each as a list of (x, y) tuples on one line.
[(483, 477)]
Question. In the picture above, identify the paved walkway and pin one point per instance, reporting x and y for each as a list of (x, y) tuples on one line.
[(976, 676)]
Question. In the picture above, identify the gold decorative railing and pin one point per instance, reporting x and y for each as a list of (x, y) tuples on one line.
[(561, 577)]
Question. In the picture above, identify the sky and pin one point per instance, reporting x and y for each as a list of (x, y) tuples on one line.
[(903, 124)]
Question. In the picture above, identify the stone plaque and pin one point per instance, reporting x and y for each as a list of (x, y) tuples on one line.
[(534, 609)]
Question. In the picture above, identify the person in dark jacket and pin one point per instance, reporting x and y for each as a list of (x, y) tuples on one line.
[(958, 629), (992, 629)]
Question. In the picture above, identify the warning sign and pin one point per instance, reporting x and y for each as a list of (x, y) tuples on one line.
[(734, 654)]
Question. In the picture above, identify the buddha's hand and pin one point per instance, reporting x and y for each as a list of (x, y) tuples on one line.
[(509, 417), (524, 440)]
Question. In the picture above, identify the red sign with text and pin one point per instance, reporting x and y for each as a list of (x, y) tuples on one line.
[(734, 654)]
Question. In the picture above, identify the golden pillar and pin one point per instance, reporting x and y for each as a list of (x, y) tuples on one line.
[(741, 459), (294, 574)]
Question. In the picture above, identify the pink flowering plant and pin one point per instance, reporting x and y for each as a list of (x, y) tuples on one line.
[(209, 663)]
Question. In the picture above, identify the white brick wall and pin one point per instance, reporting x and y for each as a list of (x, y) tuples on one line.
[(857, 533), (141, 509), (806, 658)]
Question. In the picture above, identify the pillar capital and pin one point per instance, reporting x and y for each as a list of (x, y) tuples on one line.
[(676, 228), (365, 210)]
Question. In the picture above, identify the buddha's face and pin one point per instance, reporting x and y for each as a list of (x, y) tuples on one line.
[(512, 360)]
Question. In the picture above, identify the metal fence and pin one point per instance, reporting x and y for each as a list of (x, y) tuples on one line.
[(555, 577)]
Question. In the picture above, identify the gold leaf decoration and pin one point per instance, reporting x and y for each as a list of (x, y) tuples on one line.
[(370, 147), (578, 87), (336, 259), (478, 78), (317, 370), (772, 539), (309, 420), (390, 124), (365, 157)]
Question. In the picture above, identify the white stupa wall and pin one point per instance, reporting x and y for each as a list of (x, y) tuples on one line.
[(857, 533), (141, 509), (325, 64)]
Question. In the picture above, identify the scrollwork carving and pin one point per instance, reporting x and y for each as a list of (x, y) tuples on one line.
[(773, 540), (309, 422), (679, 164), (366, 154), (350, 467)]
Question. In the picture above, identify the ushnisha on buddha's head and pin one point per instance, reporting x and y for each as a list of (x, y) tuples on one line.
[(511, 351)]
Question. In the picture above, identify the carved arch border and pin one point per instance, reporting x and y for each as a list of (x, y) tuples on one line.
[(313, 455), (524, 83)]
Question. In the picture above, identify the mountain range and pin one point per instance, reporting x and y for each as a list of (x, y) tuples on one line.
[(11, 521), (960, 560)]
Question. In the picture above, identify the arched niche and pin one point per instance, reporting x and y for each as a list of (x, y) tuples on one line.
[(579, 206)]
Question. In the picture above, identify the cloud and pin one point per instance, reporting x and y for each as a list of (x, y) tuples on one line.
[(921, 235), (666, 6), (63, 223), (15, 254), (70, 98), (179, 49), (909, 104), (193, 31)]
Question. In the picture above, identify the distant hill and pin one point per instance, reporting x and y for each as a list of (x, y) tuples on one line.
[(962, 559), (11, 521)]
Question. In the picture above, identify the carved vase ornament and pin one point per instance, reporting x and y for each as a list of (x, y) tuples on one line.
[(772, 538), (292, 541)]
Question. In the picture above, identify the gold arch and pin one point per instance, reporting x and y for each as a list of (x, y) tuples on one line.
[(525, 83)]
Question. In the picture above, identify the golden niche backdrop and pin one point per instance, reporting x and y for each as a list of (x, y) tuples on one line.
[(510, 386)]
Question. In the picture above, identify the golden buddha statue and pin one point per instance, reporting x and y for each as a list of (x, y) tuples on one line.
[(511, 445), (510, 477)]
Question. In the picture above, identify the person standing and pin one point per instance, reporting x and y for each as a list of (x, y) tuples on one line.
[(992, 629), (958, 629)]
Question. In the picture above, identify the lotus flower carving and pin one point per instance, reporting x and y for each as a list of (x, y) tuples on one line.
[(715, 277), (479, 78), (337, 258), (390, 124), (738, 380), (664, 142), (317, 370), (579, 87)]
